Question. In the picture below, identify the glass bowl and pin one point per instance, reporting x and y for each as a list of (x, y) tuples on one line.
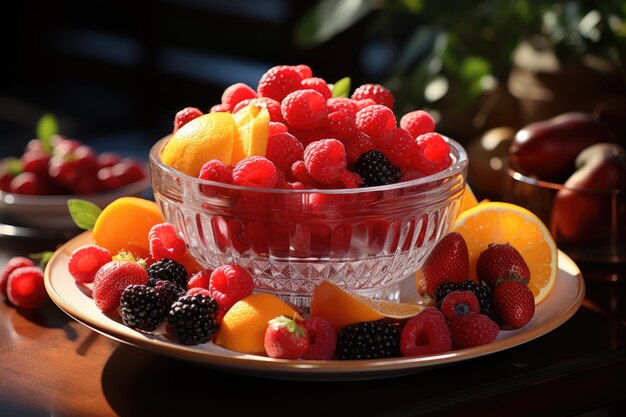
[(364, 240), (588, 225)]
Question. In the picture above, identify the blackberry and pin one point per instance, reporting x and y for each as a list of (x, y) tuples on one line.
[(368, 340), (193, 319), (141, 308), (167, 270), (481, 291), (169, 292), (375, 169)]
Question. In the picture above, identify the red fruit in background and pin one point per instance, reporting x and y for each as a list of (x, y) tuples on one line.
[(322, 339), (285, 339), (25, 183), (108, 159), (25, 287), (501, 260), (513, 302), (447, 262), (425, 334), (111, 280), (472, 330), (417, 123), (123, 173), (548, 149), (13, 264), (583, 212), (35, 162)]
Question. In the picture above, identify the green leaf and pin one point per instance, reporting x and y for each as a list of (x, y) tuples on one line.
[(414, 6), (329, 18), (44, 258), (46, 128), (83, 212), (342, 87), (13, 166)]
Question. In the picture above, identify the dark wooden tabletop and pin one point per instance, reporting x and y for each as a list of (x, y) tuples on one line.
[(50, 365)]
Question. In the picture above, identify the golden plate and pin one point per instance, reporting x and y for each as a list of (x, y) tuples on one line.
[(565, 299)]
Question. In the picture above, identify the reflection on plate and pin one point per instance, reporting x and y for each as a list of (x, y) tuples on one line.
[(565, 299)]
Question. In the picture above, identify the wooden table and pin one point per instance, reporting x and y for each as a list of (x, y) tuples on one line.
[(51, 365)]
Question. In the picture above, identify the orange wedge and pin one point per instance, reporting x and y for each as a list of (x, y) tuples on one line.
[(469, 199), (495, 222), (342, 308)]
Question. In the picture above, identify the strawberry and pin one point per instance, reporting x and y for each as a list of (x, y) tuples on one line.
[(501, 260), (285, 339), (25, 287), (448, 262), (112, 279), (513, 302), (12, 265), (472, 330)]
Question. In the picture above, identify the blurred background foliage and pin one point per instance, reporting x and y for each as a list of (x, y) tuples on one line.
[(445, 55)]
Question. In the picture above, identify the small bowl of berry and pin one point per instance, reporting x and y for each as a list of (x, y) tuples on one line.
[(35, 188), (299, 187)]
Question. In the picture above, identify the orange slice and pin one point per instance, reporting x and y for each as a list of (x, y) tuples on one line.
[(253, 123), (342, 308), (469, 199), (495, 222), (244, 324)]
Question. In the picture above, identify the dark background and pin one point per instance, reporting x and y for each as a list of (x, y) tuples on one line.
[(115, 73)]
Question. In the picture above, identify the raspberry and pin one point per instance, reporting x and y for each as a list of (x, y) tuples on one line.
[(366, 102), (198, 290), (215, 170), (351, 179), (300, 173), (341, 124), (402, 148), (472, 330), (200, 279), (229, 284), (272, 106), (376, 121), (325, 160), (307, 136), (255, 171), (322, 337), (184, 116), (141, 308), (375, 169), (165, 243), (460, 303), (85, 261), (318, 85), (236, 93), (411, 174), (357, 145), (276, 128), (303, 70), (168, 270), (417, 123), (283, 149), (432, 153), (279, 81), (112, 279), (482, 293), (376, 92), (281, 178), (342, 103), (25, 287), (304, 109), (294, 186), (427, 333), (237, 235), (192, 319), (12, 265), (219, 108)]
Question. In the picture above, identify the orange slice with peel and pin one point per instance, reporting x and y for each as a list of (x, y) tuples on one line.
[(342, 308), (496, 222)]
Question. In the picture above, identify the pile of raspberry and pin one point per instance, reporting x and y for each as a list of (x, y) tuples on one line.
[(325, 142)]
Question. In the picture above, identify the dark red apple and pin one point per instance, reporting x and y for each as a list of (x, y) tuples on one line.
[(548, 149), (584, 210)]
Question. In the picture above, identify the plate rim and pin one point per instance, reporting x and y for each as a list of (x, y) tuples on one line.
[(301, 368)]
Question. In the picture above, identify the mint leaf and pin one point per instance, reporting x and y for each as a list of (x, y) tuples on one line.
[(46, 128), (44, 258), (83, 212), (342, 87)]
